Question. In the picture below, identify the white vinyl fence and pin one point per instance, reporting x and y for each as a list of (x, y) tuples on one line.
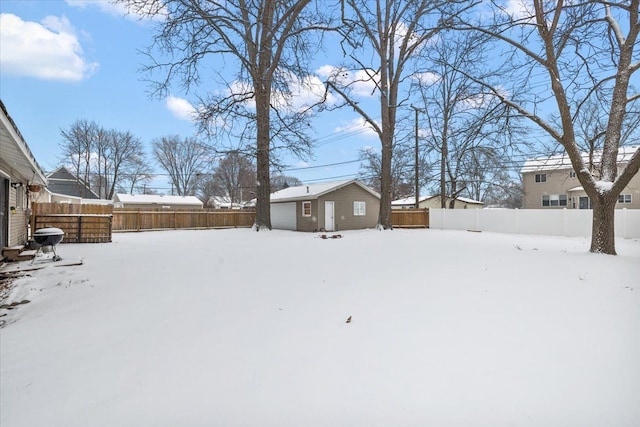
[(556, 222)]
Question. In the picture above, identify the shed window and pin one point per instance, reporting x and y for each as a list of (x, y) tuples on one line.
[(541, 177), (359, 209), (306, 208)]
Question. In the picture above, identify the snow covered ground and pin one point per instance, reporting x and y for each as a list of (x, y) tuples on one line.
[(237, 328)]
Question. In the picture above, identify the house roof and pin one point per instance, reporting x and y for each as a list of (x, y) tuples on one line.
[(313, 191), (412, 200), (154, 199), (15, 150), (562, 161), (61, 181)]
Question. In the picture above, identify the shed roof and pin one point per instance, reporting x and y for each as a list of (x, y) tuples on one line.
[(313, 191), (155, 199)]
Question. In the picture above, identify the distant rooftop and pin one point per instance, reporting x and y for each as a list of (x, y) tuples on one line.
[(561, 161)]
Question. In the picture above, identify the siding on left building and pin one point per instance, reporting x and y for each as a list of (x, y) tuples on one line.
[(20, 174)]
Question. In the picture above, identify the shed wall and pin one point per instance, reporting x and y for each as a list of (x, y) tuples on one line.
[(343, 208)]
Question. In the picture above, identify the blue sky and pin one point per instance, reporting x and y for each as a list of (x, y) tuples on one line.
[(66, 60)]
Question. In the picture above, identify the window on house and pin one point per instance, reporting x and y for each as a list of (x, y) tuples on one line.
[(306, 208), (359, 209), (572, 174), (541, 177), (624, 198), (554, 200)]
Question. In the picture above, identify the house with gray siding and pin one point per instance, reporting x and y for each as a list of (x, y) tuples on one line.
[(551, 183), (332, 206)]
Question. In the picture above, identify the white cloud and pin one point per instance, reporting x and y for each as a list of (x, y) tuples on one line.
[(362, 83), (426, 78), (181, 108), (120, 10), (520, 10), (358, 126), (49, 50)]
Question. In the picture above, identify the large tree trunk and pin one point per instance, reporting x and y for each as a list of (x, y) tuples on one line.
[(603, 239), (384, 217), (263, 190)]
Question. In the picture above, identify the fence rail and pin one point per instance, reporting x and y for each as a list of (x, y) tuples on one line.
[(95, 223), (80, 223), (140, 220), (410, 218)]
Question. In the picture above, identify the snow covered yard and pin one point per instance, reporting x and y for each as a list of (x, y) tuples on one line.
[(237, 328)]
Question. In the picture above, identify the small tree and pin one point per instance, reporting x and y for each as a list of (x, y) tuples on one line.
[(183, 160), (235, 177)]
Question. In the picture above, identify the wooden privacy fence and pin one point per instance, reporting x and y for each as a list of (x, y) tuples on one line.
[(80, 223), (139, 220), (410, 218)]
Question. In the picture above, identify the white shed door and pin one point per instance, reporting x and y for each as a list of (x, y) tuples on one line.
[(283, 216), (329, 221)]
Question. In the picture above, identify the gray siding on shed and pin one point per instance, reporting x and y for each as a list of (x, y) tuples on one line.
[(343, 199)]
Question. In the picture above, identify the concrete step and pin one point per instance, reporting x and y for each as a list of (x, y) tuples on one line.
[(17, 253), (10, 253)]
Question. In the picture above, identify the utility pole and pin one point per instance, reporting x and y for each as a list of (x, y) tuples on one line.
[(417, 170)]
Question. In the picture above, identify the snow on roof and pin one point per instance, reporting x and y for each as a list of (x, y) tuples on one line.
[(412, 200), (562, 161), (154, 199), (313, 191)]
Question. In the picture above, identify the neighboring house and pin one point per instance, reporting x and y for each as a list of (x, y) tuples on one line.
[(433, 202), (20, 176), (152, 201), (343, 205), (223, 202), (551, 183), (65, 187)]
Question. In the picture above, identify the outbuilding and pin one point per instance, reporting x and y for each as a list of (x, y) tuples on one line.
[(333, 206), (153, 201)]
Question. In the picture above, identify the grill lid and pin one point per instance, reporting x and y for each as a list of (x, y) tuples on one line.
[(49, 231)]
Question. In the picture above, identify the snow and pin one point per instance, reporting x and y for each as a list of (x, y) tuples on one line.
[(604, 186), (562, 161), (152, 199), (313, 191), (238, 328)]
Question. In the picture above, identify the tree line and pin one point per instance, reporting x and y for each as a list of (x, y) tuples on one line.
[(480, 71), (110, 161)]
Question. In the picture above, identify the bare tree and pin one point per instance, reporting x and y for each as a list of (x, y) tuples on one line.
[(268, 42), (183, 159), (568, 53), (235, 177), (136, 174), (77, 147), (100, 156), (402, 170), (280, 182), (121, 154), (468, 128), (391, 33)]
